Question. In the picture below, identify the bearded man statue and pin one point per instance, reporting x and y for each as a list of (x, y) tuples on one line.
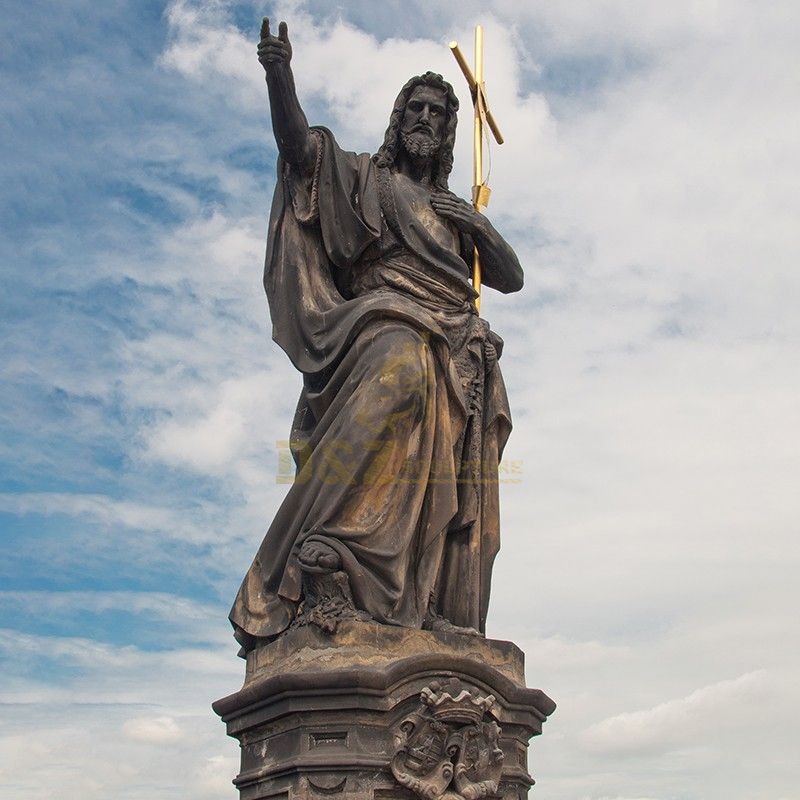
[(403, 413)]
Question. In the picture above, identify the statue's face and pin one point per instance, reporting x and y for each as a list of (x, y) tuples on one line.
[(424, 120)]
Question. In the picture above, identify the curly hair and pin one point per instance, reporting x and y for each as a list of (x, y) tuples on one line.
[(387, 153)]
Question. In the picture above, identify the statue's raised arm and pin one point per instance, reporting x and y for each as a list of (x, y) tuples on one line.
[(403, 414), (289, 123), (371, 584)]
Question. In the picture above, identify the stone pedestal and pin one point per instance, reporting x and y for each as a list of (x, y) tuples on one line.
[(373, 712)]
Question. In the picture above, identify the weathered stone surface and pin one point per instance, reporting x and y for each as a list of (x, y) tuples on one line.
[(362, 615), (450, 745), (369, 645), (403, 413), (321, 715)]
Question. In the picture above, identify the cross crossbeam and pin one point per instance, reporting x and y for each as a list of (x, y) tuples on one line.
[(483, 118)]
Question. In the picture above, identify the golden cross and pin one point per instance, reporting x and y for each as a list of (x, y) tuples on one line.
[(483, 117)]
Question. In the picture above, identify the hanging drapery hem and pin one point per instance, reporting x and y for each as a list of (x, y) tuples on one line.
[(402, 418)]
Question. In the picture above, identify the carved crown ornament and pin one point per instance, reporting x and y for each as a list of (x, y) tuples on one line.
[(448, 749)]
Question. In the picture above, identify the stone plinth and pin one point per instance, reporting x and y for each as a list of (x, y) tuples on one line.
[(373, 711)]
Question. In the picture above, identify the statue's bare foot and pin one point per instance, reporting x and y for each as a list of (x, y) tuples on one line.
[(438, 624), (319, 558)]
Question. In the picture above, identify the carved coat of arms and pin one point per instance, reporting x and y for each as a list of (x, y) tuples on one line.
[(448, 749)]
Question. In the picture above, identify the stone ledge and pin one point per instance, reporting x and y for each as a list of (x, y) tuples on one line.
[(365, 665), (367, 644), (321, 714)]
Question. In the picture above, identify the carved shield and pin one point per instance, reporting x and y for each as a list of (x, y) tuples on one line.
[(421, 761), (478, 760)]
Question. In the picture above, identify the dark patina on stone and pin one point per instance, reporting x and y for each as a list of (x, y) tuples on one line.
[(403, 413), (363, 613), (374, 711)]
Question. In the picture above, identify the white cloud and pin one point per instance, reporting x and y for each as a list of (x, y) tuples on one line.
[(106, 510), (681, 723), (153, 730), (173, 615), (105, 718), (205, 45), (607, 797), (653, 538), (216, 774), (222, 435), (652, 546)]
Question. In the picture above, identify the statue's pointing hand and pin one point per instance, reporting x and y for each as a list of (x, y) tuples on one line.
[(274, 49), (458, 211)]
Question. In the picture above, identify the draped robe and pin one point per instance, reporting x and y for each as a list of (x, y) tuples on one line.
[(401, 423)]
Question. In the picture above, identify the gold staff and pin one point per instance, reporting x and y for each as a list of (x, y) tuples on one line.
[(483, 116)]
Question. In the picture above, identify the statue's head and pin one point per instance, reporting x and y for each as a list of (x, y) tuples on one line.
[(423, 121)]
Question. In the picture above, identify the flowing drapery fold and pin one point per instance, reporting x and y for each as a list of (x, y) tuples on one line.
[(401, 422)]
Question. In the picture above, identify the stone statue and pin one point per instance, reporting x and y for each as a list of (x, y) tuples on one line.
[(361, 620), (403, 415)]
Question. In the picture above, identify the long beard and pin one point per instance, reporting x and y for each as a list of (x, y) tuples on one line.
[(420, 145)]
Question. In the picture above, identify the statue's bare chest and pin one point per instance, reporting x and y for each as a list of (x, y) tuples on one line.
[(419, 199)]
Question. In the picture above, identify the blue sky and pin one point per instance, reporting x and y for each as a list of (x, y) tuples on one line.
[(649, 553)]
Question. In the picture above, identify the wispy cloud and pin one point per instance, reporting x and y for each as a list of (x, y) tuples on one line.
[(648, 184), (678, 724), (115, 718), (155, 730), (167, 522)]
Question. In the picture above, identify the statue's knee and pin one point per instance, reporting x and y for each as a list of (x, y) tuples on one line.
[(404, 370)]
